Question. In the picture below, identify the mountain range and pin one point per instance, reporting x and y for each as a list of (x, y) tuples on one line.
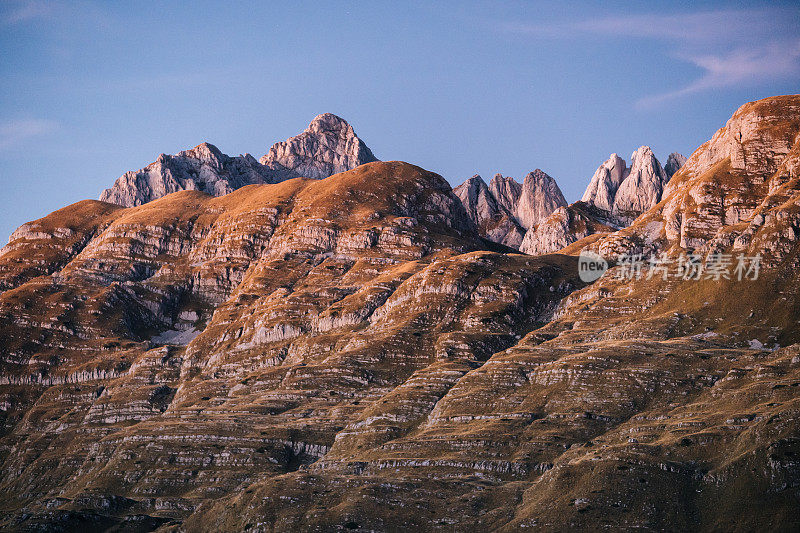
[(328, 146), (320, 341), (505, 211)]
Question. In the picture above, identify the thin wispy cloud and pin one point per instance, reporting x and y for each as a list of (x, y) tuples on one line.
[(773, 61), (14, 133), (731, 47), (709, 27)]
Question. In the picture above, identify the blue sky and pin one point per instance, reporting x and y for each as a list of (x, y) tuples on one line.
[(89, 90)]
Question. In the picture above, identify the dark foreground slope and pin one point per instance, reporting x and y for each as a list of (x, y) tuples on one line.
[(347, 353)]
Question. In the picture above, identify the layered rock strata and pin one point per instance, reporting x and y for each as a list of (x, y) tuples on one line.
[(349, 355)]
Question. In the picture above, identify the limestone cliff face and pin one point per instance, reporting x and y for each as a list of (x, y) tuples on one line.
[(642, 187), (478, 201), (348, 353), (539, 197), (731, 190), (492, 219), (565, 226), (328, 146), (604, 184), (506, 208), (203, 168), (506, 190), (629, 191)]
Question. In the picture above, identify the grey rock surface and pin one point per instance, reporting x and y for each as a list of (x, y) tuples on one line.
[(540, 196), (493, 220), (674, 163), (605, 182), (203, 168), (505, 209), (506, 190), (328, 146), (643, 187), (565, 226)]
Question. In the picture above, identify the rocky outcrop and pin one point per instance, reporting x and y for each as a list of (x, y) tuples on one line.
[(674, 163), (728, 189), (506, 191), (203, 168), (492, 219), (326, 147), (604, 184), (539, 197), (643, 186), (478, 201), (629, 191), (505, 209), (616, 195), (756, 139), (565, 226)]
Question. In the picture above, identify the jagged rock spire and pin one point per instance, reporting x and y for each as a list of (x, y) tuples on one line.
[(540, 196), (629, 191), (328, 146), (493, 220), (674, 163), (605, 182), (643, 186)]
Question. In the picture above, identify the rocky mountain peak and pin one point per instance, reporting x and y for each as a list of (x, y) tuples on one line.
[(643, 160), (477, 200), (506, 190), (674, 163), (328, 122), (505, 209), (605, 182), (629, 191), (203, 168), (473, 186), (205, 152), (643, 186), (539, 197), (492, 219), (328, 146), (616, 195)]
